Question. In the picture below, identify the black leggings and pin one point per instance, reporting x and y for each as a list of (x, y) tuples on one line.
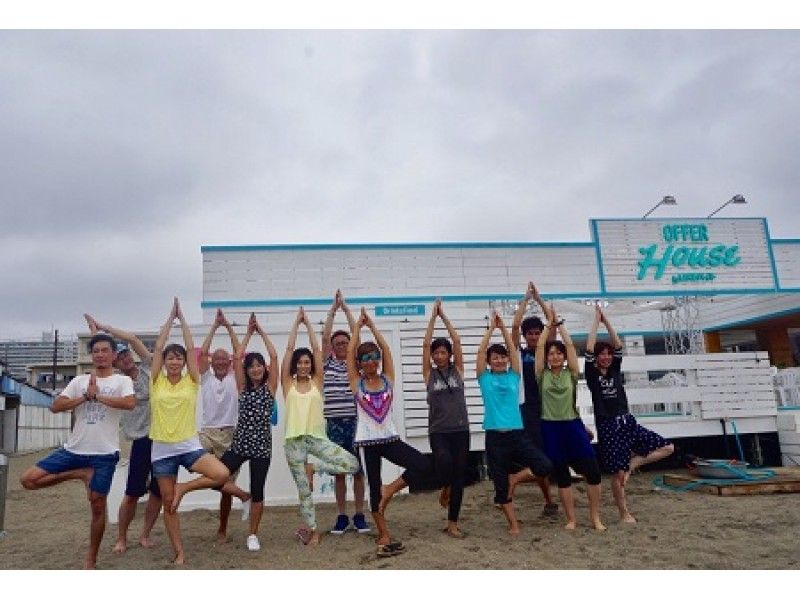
[(505, 448), (258, 471), (398, 452), (450, 455), (588, 468)]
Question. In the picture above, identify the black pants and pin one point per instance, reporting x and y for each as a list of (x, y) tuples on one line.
[(258, 471), (505, 448), (450, 455), (399, 453), (588, 468)]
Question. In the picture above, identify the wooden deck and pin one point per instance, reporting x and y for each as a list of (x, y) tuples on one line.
[(786, 480)]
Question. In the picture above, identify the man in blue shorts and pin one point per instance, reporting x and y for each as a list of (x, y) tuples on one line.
[(136, 427), (91, 451)]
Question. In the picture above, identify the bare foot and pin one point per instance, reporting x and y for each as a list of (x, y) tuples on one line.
[(180, 559), (310, 475), (514, 531), (444, 497), (120, 547), (180, 490), (146, 542), (385, 498), (453, 531), (627, 518), (571, 525), (314, 540), (598, 525), (89, 565), (222, 538)]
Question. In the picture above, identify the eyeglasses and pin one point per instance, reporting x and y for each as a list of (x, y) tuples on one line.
[(370, 357)]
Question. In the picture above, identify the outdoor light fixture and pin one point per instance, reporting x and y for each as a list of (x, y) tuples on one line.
[(667, 200), (738, 199)]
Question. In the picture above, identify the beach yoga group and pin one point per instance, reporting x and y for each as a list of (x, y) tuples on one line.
[(337, 403)]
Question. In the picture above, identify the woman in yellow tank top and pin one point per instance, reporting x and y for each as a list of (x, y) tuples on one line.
[(301, 381), (173, 398)]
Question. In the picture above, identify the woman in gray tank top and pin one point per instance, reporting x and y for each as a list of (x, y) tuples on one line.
[(448, 425)]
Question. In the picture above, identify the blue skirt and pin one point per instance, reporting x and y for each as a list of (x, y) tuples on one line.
[(566, 441)]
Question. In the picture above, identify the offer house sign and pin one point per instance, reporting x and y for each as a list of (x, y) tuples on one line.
[(684, 255)]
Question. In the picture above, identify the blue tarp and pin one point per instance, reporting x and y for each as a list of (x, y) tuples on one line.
[(27, 394)]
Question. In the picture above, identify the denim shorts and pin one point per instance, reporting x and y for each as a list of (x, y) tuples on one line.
[(168, 466), (103, 466)]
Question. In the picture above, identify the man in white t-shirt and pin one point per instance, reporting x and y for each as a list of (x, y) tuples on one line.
[(220, 401), (91, 451)]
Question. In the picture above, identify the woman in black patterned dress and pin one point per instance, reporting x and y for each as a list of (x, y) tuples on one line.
[(252, 439)]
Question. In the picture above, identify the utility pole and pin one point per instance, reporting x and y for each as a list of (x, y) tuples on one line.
[(55, 358)]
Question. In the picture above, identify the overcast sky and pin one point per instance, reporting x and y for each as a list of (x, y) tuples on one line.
[(123, 152)]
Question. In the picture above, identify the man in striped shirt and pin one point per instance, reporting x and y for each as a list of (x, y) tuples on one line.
[(340, 414)]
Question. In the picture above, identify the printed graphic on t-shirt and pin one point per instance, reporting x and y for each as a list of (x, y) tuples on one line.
[(440, 383), (95, 411), (608, 388)]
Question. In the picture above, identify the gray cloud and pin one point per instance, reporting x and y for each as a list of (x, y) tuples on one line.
[(122, 153)]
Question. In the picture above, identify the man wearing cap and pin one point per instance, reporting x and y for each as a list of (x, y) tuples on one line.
[(136, 427), (91, 451), (220, 401)]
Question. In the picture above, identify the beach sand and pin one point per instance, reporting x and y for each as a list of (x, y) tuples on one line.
[(48, 529)]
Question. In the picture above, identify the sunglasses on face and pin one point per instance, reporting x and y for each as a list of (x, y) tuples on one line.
[(370, 357)]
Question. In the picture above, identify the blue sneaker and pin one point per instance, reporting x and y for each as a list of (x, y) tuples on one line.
[(342, 523), (360, 523)]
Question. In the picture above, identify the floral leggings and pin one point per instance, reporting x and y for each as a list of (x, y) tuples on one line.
[(332, 459)]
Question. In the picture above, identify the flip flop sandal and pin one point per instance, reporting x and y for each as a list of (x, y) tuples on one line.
[(304, 535), (392, 549)]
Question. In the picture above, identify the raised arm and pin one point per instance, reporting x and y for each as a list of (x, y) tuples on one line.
[(161, 341), (188, 342), (539, 361), (519, 315), (134, 341), (328, 327), (513, 354), (319, 374), (458, 351), (426, 343), (352, 366), (205, 348), (231, 334), (286, 376), (480, 358), (386, 352), (572, 356), (615, 340), (591, 339), (274, 370), (240, 352)]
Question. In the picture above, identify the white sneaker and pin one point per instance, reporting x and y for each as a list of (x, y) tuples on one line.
[(246, 510), (253, 543)]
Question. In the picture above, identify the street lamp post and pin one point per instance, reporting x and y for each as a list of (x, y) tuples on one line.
[(737, 199), (667, 200)]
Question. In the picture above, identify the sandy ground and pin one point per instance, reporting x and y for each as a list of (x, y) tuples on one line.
[(48, 529)]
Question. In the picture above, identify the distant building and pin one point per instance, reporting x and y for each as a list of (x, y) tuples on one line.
[(18, 354)]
